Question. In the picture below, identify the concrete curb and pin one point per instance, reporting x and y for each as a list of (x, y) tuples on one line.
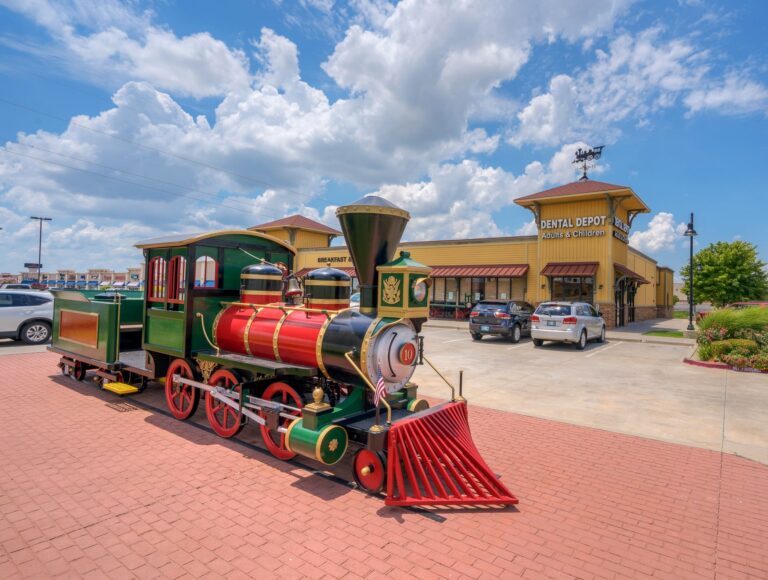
[(720, 366), (609, 335)]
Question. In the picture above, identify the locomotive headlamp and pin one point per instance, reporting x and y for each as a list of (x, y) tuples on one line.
[(420, 289)]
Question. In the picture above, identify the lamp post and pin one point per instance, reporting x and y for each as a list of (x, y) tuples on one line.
[(40, 245), (690, 232)]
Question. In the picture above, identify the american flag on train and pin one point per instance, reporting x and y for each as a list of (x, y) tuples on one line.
[(381, 389)]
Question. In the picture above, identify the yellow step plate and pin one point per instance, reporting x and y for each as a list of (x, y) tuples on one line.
[(121, 388)]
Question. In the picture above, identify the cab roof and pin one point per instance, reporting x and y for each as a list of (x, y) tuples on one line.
[(179, 240)]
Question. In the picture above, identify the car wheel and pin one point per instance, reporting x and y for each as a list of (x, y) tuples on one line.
[(516, 333), (476, 336), (36, 333), (537, 342), (602, 335), (582, 344)]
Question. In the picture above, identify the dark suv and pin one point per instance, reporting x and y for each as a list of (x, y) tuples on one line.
[(508, 318)]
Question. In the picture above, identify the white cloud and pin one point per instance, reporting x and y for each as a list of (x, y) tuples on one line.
[(459, 199), (661, 234), (735, 95), (527, 229), (638, 75), (109, 43)]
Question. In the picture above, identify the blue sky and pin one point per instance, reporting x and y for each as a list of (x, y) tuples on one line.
[(123, 121)]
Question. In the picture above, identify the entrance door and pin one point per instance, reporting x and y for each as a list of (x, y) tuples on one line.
[(620, 299)]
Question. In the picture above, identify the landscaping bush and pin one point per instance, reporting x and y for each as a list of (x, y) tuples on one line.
[(735, 320), (755, 361), (705, 351), (737, 346)]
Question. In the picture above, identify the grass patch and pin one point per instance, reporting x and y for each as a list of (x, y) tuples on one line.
[(681, 315), (665, 333)]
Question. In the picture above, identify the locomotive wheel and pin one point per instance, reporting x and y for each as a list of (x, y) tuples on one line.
[(182, 400), (275, 441), (78, 371), (225, 421), (370, 470)]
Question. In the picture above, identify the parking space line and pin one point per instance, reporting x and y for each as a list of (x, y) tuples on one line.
[(517, 346), (603, 349), (454, 340)]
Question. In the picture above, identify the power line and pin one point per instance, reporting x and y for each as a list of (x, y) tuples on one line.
[(138, 175), (113, 178), (161, 151)]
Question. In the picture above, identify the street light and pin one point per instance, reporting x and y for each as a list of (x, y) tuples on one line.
[(690, 232), (40, 245)]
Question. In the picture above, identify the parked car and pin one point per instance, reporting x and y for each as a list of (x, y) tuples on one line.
[(576, 322), (26, 315), (507, 318), (13, 286)]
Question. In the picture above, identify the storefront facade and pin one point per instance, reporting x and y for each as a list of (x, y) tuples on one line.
[(581, 252)]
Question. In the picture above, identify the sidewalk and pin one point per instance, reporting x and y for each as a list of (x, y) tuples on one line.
[(94, 486), (631, 333)]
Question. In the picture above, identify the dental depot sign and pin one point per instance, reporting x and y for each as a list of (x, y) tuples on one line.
[(591, 226)]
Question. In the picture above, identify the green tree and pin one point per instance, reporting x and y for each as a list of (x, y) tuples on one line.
[(727, 272)]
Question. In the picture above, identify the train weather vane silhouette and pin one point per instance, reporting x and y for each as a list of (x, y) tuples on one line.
[(582, 157)]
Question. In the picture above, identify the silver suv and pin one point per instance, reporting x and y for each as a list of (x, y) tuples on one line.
[(26, 315), (576, 322)]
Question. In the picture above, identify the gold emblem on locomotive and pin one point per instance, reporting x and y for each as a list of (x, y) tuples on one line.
[(391, 293)]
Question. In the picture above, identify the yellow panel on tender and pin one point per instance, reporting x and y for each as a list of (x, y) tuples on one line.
[(121, 388)]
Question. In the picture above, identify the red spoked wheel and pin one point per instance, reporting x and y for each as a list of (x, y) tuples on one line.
[(225, 421), (78, 372), (182, 400), (370, 470), (274, 440)]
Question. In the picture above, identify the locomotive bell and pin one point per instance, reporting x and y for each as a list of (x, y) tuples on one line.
[(293, 288), (372, 227)]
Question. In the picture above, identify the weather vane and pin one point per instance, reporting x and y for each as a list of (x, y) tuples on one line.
[(582, 157)]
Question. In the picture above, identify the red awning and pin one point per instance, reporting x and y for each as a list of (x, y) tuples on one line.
[(570, 269), (488, 271), (624, 271), (304, 271)]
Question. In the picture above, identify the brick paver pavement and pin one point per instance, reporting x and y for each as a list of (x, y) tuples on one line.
[(86, 491)]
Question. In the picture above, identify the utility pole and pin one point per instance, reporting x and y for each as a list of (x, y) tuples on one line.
[(690, 233), (40, 245)]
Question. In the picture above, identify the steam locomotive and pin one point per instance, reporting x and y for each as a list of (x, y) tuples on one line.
[(321, 380)]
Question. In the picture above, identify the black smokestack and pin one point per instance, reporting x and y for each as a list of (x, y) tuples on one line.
[(372, 227)]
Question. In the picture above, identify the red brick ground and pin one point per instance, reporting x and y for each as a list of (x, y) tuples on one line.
[(87, 491)]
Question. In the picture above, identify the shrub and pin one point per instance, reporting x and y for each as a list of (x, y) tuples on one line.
[(705, 351), (713, 334), (736, 320), (736, 346), (755, 361)]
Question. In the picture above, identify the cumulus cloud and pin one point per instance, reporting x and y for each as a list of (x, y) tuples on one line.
[(735, 95), (637, 75), (459, 200), (110, 43), (661, 234)]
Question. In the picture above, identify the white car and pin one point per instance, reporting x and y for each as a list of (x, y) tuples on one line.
[(574, 322), (26, 315)]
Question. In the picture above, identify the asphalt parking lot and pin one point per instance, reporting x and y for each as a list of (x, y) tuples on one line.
[(627, 387)]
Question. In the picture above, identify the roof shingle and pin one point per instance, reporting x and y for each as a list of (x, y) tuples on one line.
[(299, 222)]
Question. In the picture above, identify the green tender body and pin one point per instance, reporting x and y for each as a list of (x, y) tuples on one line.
[(107, 349)]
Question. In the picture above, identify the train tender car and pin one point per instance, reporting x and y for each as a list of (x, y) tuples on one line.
[(320, 379)]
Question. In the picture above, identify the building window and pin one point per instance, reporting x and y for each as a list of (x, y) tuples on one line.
[(177, 279), (206, 272), (157, 280), (438, 290), (451, 291), (573, 288), (503, 288)]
